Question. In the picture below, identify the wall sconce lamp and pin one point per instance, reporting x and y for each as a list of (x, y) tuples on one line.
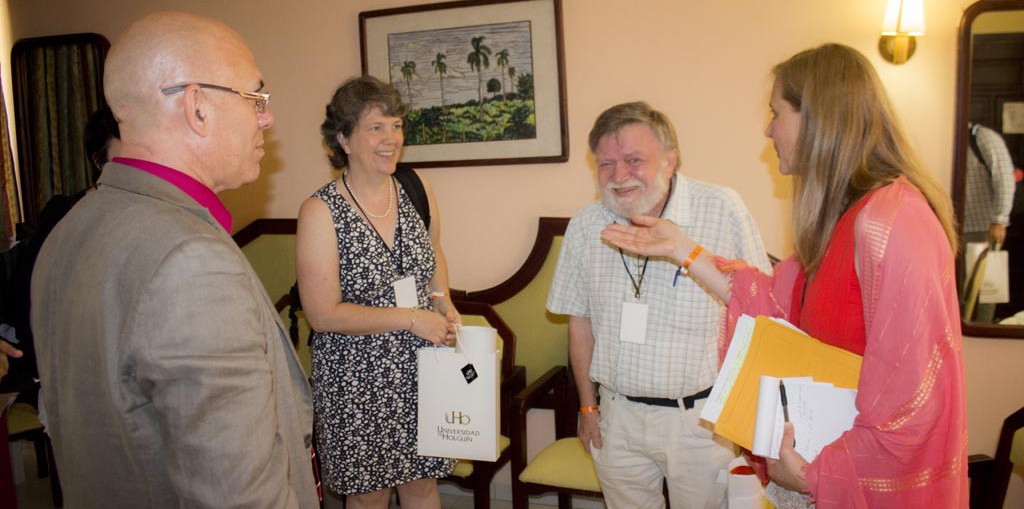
[(904, 20)]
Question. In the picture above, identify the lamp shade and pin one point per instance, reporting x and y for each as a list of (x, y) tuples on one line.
[(904, 17)]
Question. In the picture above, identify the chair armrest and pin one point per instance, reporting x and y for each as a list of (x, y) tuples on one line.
[(979, 464), (537, 391), (980, 468), (514, 384), (554, 381), (510, 386)]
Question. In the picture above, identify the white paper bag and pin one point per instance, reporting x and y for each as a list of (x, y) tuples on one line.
[(995, 287), (474, 339), (456, 418), (745, 490), (972, 252)]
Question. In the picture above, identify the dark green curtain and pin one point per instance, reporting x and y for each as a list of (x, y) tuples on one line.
[(8, 189), (58, 84)]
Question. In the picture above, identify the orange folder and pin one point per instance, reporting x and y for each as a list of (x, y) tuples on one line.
[(780, 351)]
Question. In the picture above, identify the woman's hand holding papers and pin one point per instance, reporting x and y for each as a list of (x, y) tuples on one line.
[(788, 470)]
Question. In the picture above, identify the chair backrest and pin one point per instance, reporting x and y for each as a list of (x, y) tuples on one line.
[(1011, 436), (296, 321), (520, 300), (272, 256), (269, 244)]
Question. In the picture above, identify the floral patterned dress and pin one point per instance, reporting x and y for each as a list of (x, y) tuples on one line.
[(364, 387)]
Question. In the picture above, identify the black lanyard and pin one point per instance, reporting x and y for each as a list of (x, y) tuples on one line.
[(391, 254), (637, 282)]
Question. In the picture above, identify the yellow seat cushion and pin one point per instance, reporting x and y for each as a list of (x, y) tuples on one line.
[(1017, 448), (22, 417), (464, 468), (564, 464)]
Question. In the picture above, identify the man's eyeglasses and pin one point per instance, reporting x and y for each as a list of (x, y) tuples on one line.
[(260, 99)]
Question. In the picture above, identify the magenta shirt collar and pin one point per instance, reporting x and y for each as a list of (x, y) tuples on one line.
[(190, 186)]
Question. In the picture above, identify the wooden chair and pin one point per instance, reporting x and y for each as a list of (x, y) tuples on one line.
[(563, 466), (477, 475), (519, 301), (543, 340), (990, 477), (23, 424), (542, 336), (473, 475)]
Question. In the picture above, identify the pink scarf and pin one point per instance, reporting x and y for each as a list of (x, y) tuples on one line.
[(908, 445)]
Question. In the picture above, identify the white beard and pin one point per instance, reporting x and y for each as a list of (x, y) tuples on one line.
[(649, 198)]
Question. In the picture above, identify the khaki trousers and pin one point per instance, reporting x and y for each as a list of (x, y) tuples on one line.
[(644, 444)]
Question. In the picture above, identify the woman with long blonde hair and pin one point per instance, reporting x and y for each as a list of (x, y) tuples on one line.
[(872, 273)]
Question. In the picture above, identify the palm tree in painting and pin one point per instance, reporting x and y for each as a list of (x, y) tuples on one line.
[(493, 87), (503, 63), (511, 77), (440, 69), (408, 71), (479, 59)]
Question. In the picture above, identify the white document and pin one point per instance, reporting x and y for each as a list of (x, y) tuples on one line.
[(734, 357), (820, 413)]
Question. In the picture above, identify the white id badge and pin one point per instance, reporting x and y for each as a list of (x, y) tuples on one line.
[(633, 328), (405, 292)]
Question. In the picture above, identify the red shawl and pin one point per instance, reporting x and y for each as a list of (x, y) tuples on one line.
[(908, 446)]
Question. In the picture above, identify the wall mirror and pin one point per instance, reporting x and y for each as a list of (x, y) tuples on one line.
[(990, 92)]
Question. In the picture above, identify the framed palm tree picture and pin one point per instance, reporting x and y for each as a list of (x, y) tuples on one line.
[(483, 81)]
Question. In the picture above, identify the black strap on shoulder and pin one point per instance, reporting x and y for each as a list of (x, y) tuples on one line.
[(976, 149), (293, 318), (414, 189)]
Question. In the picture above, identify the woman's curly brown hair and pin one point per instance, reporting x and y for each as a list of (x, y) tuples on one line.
[(353, 99)]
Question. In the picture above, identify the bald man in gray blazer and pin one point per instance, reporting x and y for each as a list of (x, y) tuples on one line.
[(166, 373)]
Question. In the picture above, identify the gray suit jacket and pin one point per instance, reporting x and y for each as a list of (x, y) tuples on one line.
[(167, 376)]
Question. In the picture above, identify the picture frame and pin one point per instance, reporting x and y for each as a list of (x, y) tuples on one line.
[(483, 81)]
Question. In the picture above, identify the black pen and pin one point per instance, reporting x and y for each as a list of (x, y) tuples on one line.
[(785, 405)]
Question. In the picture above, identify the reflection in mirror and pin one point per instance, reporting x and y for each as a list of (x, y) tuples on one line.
[(987, 187)]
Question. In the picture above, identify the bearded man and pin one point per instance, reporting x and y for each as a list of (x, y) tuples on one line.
[(641, 330)]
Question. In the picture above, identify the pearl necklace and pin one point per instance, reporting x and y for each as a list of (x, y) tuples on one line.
[(391, 198)]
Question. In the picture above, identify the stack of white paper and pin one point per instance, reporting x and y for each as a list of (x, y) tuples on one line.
[(820, 413), (730, 369), (742, 334)]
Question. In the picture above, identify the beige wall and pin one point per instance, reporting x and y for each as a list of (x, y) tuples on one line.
[(704, 63)]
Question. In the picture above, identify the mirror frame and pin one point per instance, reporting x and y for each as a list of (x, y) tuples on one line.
[(963, 99)]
